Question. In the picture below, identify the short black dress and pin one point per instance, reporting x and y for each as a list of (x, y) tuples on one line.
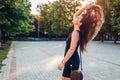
[(74, 61)]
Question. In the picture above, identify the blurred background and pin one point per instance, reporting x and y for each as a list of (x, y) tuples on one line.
[(51, 19)]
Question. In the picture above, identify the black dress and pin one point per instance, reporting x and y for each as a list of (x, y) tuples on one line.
[(74, 61)]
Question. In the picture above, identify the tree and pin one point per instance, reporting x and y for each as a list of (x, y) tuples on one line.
[(115, 19), (58, 16), (15, 17), (112, 17)]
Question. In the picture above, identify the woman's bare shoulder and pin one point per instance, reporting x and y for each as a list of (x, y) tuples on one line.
[(75, 33)]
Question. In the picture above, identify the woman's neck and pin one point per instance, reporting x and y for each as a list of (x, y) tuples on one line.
[(77, 28)]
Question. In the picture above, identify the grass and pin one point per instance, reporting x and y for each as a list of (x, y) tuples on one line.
[(3, 53)]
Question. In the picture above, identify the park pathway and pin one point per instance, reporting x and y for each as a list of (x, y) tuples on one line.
[(28, 60)]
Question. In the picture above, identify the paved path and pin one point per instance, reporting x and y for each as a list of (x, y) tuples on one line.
[(39, 60)]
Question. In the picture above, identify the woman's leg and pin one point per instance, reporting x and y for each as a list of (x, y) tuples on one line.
[(65, 78)]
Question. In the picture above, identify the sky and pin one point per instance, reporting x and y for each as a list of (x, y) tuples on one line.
[(35, 3)]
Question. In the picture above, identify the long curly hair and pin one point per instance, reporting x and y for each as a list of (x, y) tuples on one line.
[(92, 21)]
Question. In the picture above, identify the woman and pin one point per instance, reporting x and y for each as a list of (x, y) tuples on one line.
[(87, 23)]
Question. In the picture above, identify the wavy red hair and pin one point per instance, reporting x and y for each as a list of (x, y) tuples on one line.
[(92, 21)]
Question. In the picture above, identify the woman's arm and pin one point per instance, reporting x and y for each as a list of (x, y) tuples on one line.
[(78, 13), (74, 41)]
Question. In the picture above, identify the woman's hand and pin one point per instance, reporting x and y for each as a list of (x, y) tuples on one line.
[(60, 66)]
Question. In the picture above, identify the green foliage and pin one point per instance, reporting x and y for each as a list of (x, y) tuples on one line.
[(57, 16), (115, 14), (15, 16), (112, 15)]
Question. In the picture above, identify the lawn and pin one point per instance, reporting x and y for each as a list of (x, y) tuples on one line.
[(3, 53)]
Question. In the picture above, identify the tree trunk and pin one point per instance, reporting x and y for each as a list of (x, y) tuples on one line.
[(102, 38), (0, 38), (115, 38)]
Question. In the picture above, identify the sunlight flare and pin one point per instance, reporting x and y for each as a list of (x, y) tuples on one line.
[(85, 2)]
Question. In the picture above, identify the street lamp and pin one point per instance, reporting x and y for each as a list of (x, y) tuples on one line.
[(0, 37), (38, 28)]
